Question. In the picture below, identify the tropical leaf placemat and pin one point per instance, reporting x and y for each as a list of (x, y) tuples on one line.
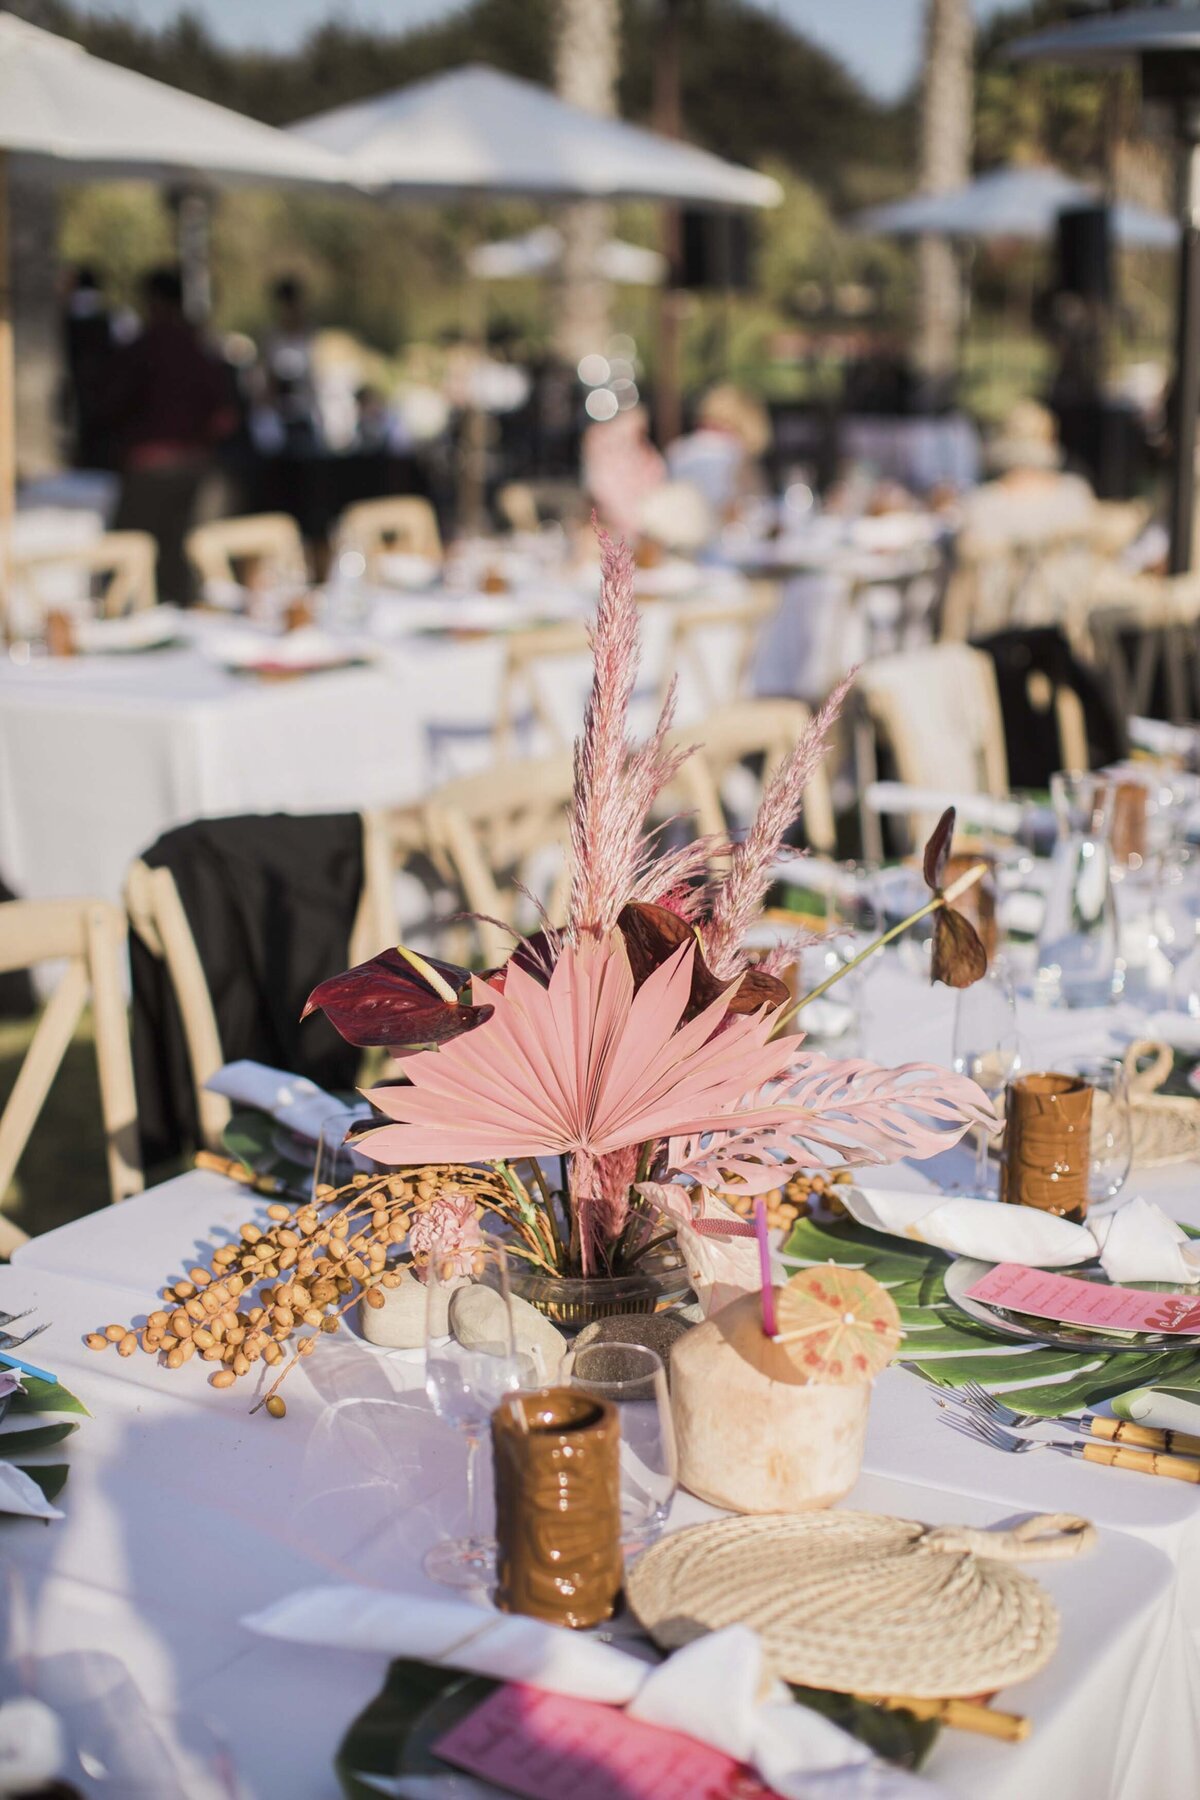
[(394, 1735), (33, 1398), (948, 1348)]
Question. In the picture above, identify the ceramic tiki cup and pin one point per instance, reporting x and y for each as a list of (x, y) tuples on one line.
[(558, 1506), (1047, 1140)]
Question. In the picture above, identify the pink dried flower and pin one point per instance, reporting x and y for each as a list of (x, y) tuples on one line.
[(448, 1229), (739, 897)]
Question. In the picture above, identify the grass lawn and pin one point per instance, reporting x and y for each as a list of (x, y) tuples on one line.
[(62, 1174)]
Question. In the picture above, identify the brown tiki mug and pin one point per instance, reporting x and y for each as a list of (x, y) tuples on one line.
[(1047, 1144), (558, 1506)]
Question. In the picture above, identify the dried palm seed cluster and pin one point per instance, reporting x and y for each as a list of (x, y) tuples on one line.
[(268, 1297), (795, 1198)]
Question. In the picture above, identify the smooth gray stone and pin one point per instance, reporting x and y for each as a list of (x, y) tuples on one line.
[(657, 1331), (403, 1319), (477, 1321)]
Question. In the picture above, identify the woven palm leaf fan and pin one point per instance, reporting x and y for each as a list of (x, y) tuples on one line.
[(861, 1604)]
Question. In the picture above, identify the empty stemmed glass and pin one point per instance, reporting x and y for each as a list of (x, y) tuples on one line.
[(987, 1049), (468, 1371), (1175, 913)]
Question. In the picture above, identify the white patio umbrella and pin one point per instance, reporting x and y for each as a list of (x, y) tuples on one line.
[(475, 131), (1014, 202), (539, 251), (85, 119)]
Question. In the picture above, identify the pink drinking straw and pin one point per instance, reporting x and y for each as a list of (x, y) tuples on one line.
[(764, 1263)]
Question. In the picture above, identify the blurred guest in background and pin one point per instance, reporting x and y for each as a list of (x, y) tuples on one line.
[(620, 467), (167, 406), (1031, 494), (88, 345), (723, 455), (287, 354)]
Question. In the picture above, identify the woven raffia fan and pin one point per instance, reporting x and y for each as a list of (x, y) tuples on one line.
[(861, 1604)]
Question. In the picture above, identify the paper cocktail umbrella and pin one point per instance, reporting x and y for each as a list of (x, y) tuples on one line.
[(838, 1325)]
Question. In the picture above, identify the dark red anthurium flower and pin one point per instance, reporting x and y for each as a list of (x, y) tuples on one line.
[(398, 1001)]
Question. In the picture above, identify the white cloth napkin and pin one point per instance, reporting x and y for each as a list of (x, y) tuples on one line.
[(712, 1690), (19, 1494), (292, 1100), (1137, 1243)]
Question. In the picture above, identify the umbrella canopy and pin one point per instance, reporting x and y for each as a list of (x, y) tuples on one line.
[(537, 252), (1115, 37), (1015, 202), (58, 103), (475, 131)]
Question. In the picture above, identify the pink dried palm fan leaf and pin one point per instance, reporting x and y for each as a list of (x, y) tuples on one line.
[(829, 1111), (586, 1065)]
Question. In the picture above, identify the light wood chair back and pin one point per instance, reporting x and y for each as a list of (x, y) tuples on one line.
[(257, 550), (88, 936), (767, 729), (403, 523), (939, 711), (738, 624), (121, 563), (530, 661), (157, 914), (528, 505), (499, 828)]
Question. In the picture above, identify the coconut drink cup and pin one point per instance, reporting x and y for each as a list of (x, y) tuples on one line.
[(775, 1422)]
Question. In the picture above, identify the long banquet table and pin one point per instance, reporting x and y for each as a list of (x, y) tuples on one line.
[(100, 754), (183, 1514)]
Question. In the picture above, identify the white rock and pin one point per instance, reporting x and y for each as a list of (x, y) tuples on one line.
[(405, 1316), (474, 1319)]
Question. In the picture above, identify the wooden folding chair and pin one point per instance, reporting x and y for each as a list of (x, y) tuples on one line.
[(89, 937), (256, 550), (403, 523), (529, 657), (768, 729), (740, 622), (121, 563), (157, 914), (489, 831)]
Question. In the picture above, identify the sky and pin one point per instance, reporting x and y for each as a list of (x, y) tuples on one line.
[(879, 40)]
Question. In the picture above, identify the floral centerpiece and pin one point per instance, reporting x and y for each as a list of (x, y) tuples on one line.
[(593, 1096), (637, 1050)]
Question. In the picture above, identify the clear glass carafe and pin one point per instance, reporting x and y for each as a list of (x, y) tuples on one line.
[(1077, 948)]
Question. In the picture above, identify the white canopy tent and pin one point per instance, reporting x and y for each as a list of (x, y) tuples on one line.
[(539, 251), (1014, 202), (475, 131), (86, 119)]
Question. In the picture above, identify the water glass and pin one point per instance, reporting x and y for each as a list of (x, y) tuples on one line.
[(467, 1381), (336, 1163), (1110, 1146), (633, 1378), (1175, 913), (987, 1049)]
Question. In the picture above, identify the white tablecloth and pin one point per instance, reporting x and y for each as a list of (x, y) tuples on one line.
[(99, 755), (182, 1514)]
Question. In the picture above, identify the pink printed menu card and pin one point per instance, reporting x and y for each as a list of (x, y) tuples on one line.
[(546, 1746), (1048, 1295)]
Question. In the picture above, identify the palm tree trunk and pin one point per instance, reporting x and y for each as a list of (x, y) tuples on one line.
[(587, 60), (947, 90)]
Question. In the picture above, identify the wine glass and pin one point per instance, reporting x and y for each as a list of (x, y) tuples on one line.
[(987, 1049), (1175, 912), (633, 1378), (336, 1163), (471, 1362), (1110, 1147)]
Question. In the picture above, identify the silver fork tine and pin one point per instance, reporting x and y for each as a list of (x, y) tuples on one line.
[(9, 1342), (11, 1318)]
